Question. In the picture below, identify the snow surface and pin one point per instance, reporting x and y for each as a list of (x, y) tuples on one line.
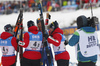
[(64, 19)]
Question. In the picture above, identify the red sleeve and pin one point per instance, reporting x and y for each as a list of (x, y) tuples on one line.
[(46, 21), (14, 43), (26, 40), (55, 40)]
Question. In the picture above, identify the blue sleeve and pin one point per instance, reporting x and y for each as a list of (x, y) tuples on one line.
[(74, 39)]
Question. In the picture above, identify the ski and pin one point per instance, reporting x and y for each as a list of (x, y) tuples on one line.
[(45, 45), (17, 24), (48, 17), (17, 27), (21, 39)]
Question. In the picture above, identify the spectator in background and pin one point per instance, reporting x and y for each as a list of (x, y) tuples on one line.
[(64, 3), (31, 4), (44, 5), (12, 6), (2, 8), (44, 2), (73, 2), (48, 4), (78, 2), (86, 1), (37, 2), (94, 1), (68, 2), (57, 2), (25, 6), (55, 6)]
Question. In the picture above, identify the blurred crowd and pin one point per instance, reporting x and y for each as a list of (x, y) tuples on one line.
[(8, 7)]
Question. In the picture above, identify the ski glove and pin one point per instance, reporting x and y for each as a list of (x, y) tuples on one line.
[(49, 16), (21, 43), (66, 42), (17, 40)]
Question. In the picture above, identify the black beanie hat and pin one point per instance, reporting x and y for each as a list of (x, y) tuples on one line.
[(54, 25), (30, 23), (8, 28), (82, 21)]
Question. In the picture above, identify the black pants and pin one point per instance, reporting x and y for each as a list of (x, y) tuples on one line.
[(28, 62), (13, 64), (86, 64), (62, 62)]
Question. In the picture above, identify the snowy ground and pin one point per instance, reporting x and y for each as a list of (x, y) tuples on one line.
[(64, 19)]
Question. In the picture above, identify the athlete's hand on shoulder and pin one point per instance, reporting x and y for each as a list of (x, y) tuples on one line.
[(21, 43)]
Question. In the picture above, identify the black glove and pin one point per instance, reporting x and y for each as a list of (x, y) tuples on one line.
[(46, 36), (17, 40), (49, 16), (66, 42), (45, 43)]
